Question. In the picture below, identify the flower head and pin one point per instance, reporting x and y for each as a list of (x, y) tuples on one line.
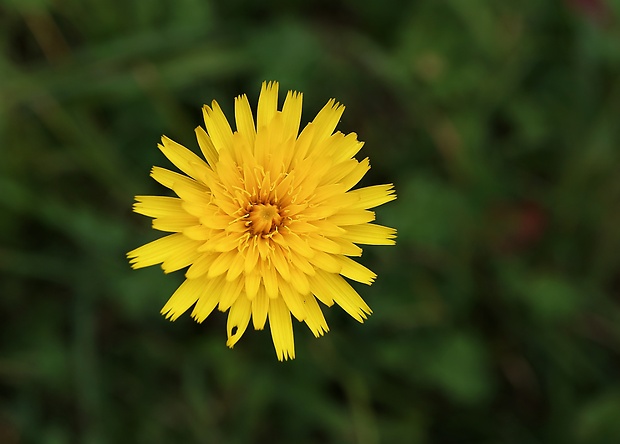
[(268, 224)]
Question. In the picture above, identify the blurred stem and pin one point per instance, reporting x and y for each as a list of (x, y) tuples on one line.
[(88, 145), (34, 265), (364, 421), (48, 36), (394, 75), (87, 382), (148, 78), (357, 391)]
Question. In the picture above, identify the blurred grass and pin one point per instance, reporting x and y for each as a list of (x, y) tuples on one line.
[(496, 317)]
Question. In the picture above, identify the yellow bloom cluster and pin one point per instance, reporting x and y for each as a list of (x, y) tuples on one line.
[(268, 224)]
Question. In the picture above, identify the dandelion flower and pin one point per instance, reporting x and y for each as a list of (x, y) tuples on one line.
[(269, 223)]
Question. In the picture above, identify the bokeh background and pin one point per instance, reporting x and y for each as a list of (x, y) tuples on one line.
[(497, 314)]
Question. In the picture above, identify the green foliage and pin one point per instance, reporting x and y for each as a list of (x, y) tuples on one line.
[(496, 316)]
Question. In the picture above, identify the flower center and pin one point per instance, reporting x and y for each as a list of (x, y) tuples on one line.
[(264, 218)]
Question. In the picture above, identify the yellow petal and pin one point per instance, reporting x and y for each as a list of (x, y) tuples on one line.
[(209, 299), (300, 282), (168, 178), (158, 206), (174, 224), (191, 191), (348, 248), (308, 174), (274, 149), (325, 262), (267, 103), (236, 268), (206, 146), (323, 244), (218, 127), (252, 284), (291, 111), (334, 145), (183, 298), (301, 263), (182, 158), (302, 146), (296, 244), (230, 241), (349, 147), (338, 171), (322, 193), (228, 173), (280, 261), (216, 220), (264, 249), (201, 265), (244, 119), (182, 256), (294, 300), (260, 307), (321, 212), (326, 120), (160, 250), (281, 329), (251, 255), (230, 294), (268, 150), (356, 271), (329, 285), (238, 319), (222, 263), (370, 234), (352, 217), (314, 316), (353, 177), (198, 232), (298, 226), (270, 279), (373, 196)]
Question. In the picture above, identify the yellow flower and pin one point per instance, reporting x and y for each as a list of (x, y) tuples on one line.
[(268, 223)]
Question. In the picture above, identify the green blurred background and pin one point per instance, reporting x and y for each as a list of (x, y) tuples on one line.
[(496, 316)]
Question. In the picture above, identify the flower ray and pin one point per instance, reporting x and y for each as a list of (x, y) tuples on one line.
[(184, 297), (260, 308), (238, 320), (209, 299), (206, 146), (158, 206), (244, 119), (182, 158), (217, 126), (281, 329)]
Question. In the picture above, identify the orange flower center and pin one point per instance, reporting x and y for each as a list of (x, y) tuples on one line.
[(264, 218)]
